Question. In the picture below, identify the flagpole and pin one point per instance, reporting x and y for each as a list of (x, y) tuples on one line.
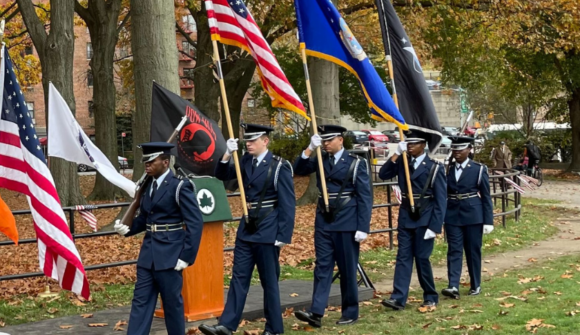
[(314, 126), (218, 64), (385, 27)]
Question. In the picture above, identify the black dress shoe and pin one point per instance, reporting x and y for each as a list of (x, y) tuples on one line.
[(313, 320), (268, 333), (429, 304), (346, 321), (214, 330), (451, 292), (392, 303), (477, 291)]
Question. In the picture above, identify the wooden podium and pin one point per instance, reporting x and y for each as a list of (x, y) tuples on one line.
[(203, 282)]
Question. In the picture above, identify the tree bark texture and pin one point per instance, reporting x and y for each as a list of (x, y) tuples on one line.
[(574, 107), (102, 19), (155, 58), (56, 50)]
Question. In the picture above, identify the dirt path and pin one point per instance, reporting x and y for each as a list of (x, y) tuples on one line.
[(566, 242)]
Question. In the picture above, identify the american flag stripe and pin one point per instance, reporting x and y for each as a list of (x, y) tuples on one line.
[(23, 169), (517, 187), (526, 183), (240, 29), (397, 191), (87, 215)]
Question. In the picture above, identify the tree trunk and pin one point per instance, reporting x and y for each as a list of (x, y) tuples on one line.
[(207, 91), (56, 52), (155, 58), (574, 107), (104, 37), (325, 95)]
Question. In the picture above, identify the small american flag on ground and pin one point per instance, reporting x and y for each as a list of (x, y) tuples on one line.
[(397, 191), (514, 185), (231, 23), (526, 183), (531, 180), (87, 215), (23, 169)]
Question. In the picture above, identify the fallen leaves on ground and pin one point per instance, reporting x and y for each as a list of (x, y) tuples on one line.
[(65, 326), (253, 332), (533, 325), (427, 309), (119, 325), (86, 316), (100, 324), (193, 331), (294, 295), (506, 305), (52, 310)]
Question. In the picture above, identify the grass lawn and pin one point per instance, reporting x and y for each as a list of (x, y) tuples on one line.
[(533, 226), (548, 292)]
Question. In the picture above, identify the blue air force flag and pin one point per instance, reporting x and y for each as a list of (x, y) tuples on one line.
[(67, 140), (325, 34)]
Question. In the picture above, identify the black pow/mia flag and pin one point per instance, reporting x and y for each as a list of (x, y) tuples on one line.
[(200, 143)]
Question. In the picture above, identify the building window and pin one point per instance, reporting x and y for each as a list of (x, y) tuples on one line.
[(89, 50), (187, 48), (30, 106), (90, 78), (189, 24), (91, 108), (251, 103), (188, 73)]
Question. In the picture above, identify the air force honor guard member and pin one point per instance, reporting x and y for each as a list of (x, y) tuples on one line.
[(416, 230), (469, 216), (170, 216), (270, 195), (337, 235)]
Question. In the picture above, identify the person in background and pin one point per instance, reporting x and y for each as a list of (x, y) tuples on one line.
[(502, 157)]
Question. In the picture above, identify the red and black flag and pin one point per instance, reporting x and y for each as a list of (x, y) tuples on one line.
[(200, 143)]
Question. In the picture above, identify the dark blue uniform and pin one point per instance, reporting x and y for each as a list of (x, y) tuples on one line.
[(334, 242), (174, 206), (256, 247), (469, 207), (410, 237)]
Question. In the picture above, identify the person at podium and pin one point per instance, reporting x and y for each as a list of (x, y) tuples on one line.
[(269, 187), (170, 217)]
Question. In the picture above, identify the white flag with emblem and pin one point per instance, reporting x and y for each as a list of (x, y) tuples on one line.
[(67, 140)]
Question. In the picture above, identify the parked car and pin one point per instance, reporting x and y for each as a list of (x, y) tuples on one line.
[(470, 131), (357, 137), (433, 85), (375, 135), (450, 131), (123, 164), (445, 142), (392, 135), (380, 149)]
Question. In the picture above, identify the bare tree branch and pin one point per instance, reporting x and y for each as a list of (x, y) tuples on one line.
[(124, 22), (12, 15), (8, 9), (186, 35), (84, 13), (35, 27)]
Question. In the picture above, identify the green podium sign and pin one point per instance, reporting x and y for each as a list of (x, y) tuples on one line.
[(212, 199)]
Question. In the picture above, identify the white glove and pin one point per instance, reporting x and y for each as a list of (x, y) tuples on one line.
[(488, 228), (120, 228), (401, 147), (360, 236), (315, 142), (429, 234), (180, 265), (232, 145), (279, 244)]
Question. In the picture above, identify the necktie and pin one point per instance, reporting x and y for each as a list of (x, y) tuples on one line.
[(413, 161), (331, 161), (459, 167), (154, 189), (254, 164)]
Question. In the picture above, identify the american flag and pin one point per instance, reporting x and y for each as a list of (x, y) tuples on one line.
[(514, 185), (397, 191), (526, 183), (23, 169), (231, 23), (86, 213)]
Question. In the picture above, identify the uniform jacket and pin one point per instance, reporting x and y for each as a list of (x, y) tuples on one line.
[(433, 206), (174, 202), (476, 210), (278, 225), (502, 158), (356, 214)]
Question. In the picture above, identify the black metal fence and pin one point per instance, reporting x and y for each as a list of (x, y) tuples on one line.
[(505, 195)]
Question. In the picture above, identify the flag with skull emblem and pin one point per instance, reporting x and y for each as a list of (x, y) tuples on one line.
[(200, 143)]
